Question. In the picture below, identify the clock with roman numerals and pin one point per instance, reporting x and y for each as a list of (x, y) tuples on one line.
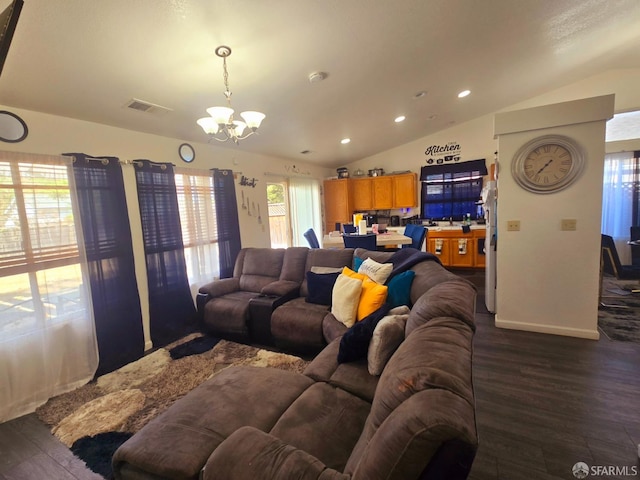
[(547, 164)]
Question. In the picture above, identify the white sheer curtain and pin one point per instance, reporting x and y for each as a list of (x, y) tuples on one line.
[(617, 200), (304, 201), (47, 333), (197, 208)]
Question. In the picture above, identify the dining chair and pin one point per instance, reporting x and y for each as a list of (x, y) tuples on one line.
[(311, 237), (417, 233), (635, 249), (367, 241), (611, 261), (349, 228)]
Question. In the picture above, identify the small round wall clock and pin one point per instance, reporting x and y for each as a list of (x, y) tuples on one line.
[(547, 164), (187, 153)]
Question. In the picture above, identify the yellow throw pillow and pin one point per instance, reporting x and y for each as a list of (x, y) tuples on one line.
[(372, 297), (345, 299), (350, 273)]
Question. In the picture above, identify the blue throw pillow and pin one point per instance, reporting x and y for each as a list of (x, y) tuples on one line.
[(320, 286), (354, 344), (357, 261), (399, 292)]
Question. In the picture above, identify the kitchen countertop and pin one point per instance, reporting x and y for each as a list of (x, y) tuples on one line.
[(442, 228)]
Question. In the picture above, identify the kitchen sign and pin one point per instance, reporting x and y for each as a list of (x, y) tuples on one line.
[(440, 154)]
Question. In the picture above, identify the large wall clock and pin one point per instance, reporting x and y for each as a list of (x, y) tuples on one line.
[(547, 164)]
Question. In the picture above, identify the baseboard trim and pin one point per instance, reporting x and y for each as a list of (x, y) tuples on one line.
[(549, 329), (148, 345)]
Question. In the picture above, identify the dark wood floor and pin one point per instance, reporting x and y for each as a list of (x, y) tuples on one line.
[(544, 403)]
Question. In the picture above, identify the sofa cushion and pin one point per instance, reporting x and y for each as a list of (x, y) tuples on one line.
[(435, 356), (298, 325), (448, 299), (345, 299), (293, 264), (325, 422), (228, 314), (177, 443), (352, 377), (261, 266), (320, 287)]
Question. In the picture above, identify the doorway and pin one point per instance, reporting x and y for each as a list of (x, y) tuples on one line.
[(279, 224)]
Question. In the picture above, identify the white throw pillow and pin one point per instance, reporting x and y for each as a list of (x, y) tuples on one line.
[(387, 337), (345, 299), (378, 272)]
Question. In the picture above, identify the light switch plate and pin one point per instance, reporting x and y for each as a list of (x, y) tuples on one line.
[(568, 224), (513, 225)]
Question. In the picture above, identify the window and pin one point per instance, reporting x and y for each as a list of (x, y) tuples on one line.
[(39, 258), (47, 337), (198, 221), (451, 191)]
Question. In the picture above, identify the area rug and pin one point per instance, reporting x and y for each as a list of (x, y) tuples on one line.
[(620, 319), (94, 420)]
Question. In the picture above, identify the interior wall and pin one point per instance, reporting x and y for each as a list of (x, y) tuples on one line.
[(548, 279), (54, 135)]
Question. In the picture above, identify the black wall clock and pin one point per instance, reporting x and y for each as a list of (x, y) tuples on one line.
[(186, 152)]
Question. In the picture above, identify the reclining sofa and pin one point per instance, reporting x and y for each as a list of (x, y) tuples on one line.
[(335, 421)]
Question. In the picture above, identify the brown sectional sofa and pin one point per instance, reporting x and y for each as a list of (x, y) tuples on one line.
[(335, 421)]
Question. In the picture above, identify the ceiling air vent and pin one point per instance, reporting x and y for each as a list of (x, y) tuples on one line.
[(147, 107)]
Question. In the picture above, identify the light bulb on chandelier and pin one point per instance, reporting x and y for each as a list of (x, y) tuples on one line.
[(220, 124)]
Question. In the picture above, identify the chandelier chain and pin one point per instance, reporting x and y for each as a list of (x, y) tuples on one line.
[(225, 76)]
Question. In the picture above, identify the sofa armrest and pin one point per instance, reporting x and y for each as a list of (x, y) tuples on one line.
[(282, 288), (251, 453), (220, 287)]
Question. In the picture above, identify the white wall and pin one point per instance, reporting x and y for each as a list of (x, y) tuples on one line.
[(548, 279), (55, 135)]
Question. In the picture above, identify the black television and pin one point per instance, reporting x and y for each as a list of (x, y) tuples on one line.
[(8, 22)]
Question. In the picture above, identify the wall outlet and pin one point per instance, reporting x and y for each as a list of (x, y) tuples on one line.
[(568, 224), (513, 225)]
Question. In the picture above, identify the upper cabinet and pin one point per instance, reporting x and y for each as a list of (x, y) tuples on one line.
[(337, 203), (404, 190), (361, 193), (382, 193), (344, 196)]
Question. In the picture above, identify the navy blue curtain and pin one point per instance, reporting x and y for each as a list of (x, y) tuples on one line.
[(635, 221), (224, 192), (171, 308), (107, 238)]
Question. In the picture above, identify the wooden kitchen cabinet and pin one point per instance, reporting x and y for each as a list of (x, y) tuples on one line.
[(404, 190), (455, 248), (337, 203), (382, 193), (344, 196), (362, 193)]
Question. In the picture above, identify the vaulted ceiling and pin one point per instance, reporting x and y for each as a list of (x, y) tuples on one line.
[(87, 59)]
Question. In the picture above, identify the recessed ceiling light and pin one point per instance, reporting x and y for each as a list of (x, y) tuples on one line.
[(344, 141), (399, 119), (464, 93)]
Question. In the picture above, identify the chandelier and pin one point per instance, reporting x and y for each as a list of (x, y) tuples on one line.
[(220, 124)]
